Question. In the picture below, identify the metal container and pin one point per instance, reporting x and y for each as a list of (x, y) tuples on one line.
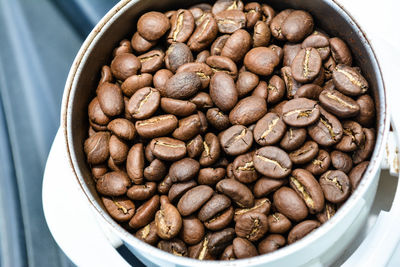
[(321, 246)]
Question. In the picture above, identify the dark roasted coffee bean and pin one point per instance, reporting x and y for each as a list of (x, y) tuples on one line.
[(236, 140), (305, 153), (215, 205), (261, 34), (365, 150), (261, 90), (308, 188), (195, 147), (222, 64), (301, 230), (290, 204), (174, 246), (243, 168), (246, 82), (320, 42), (118, 149), (367, 111), (243, 248), (252, 226), (106, 75), (178, 189), (120, 208), (135, 163), (262, 205), (349, 81), (168, 220), (200, 251), (148, 154), (229, 21), (202, 56), (177, 55), (268, 13), (124, 66), (269, 129), (293, 138), (327, 130), (339, 104), (177, 107), (327, 213), (218, 241), (248, 110), (124, 47), (160, 79), (202, 100), (183, 85), (253, 13), (142, 192), (211, 150), (290, 51), (98, 170), (300, 112), (353, 137), (110, 99), (166, 148), (201, 69), (188, 128), (341, 161), (221, 220), (278, 223), (113, 184), (297, 26), (182, 26), (192, 230), (237, 191), (320, 163), (144, 103), (204, 34), (223, 91), (264, 186), (217, 119), (96, 114), (96, 148), (155, 171), (340, 51), (210, 176), (271, 243), (222, 5), (194, 199), (261, 60), (157, 126), (148, 234), (291, 84), (140, 44), (277, 22), (357, 173), (135, 82), (228, 254), (306, 65), (153, 25), (335, 185), (165, 185), (237, 45), (184, 170), (272, 162), (310, 91), (218, 45)]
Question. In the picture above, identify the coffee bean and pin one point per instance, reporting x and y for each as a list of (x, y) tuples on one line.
[(269, 129), (327, 130), (357, 173), (300, 112), (301, 230), (246, 82), (193, 199), (290, 51), (182, 26), (192, 230), (335, 185), (140, 44), (338, 104), (202, 100), (305, 153), (183, 85), (268, 13), (264, 186), (290, 83), (261, 34), (222, 64), (278, 223), (253, 14), (157, 126), (161, 78), (177, 107), (327, 213), (222, 5), (211, 150), (202, 56), (166, 148), (248, 110), (201, 251), (153, 25), (297, 25), (118, 149), (210, 176), (349, 81), (201, 69), (340, 51), (320, 42), (272, 162), (252, 226), (218, 45), (293, 138), (341, 161), (243, 168), (144, 103), (96, 114), (174, 246), (215, 205), (204, 34), (135, 82), (365, 150), (188, 128), (120, 208), (98, 171), (165, 185), (142, 192), (261, 90), (236, 140), (223, 91), (229, 21), (177, 55), (113, 184), (96, 148), (195, 147), (168, 220), (306, 65), (184, 170), (124, 66), (148, 234), (217, 119), (367, 111), (148, 154), (135, 163), (110, 99), (152, 61), (106, 75), (277, 22), (178, 189), (353, 136), (261, 60), (310, 91), (307, 187), (228, 254), (221, 220), (243, 248), (237, 45), (271, 243), (290, 204), (320, 163), (237, 191), (218, 241), (155, 171)]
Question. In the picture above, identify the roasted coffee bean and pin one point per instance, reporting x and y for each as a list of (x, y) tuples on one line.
[(271, 243), (135, 82), (96, 114), (340, 51), (153, 25), (124, 47), (339, 104), (182, 26), (177, 55), (195, 147), (335, 185), (96, 148), (261, 60), (178, 189), (243, 168), (310, 91), (306, 65), (237, 191), (142, 192), (168, 220), (308, 188), (210, 176), (113, 184), (229, 21), (152, 61), (365, 150), (237, 45), (327, 213), (253, 13), (222, 64), (217, 119), (349, 81), (202, 100), (118, 149), (201, 69), (261, 90), (177, 107), (110, 99), (228, 254), (297, 26), (290, 51), (148, 154), (148, 234), (268, 13), (327, 130), (367, 111), (145, 213), (305, 153), (341, 161), (144, 103), (157, 126), (264, 186), (174, 246), (165, 185), (248, 110), (140, 44), (183, 85), (166, 148), (124, 66), (290, 204), (122, 128), (155, 171), (272, 161), (202, 56), (204, 34), (320, 163), (301, 230), (320, 42), (222, 5), (218, 45), (277, 22), (221, 220), (98, 171), (357, 173), (211, 150), (193, 199), (236, 140), (184, 170), (278, 51), (278, 223), (246, 82), (223, 91), (353, 137), (106, 75), (113, 166), (262, 205), (243, 248), (161, 78), (252, 226), (192, 230), (120, 208), (261, 34), (293, 138), (215, 205), (200, 251), (135, 163), (269, 129), (290, 83), (188, 128)]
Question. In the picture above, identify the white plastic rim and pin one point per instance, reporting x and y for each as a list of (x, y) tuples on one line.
[(297, 248)]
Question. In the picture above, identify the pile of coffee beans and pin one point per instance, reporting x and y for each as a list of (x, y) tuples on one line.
[(228, 131)]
